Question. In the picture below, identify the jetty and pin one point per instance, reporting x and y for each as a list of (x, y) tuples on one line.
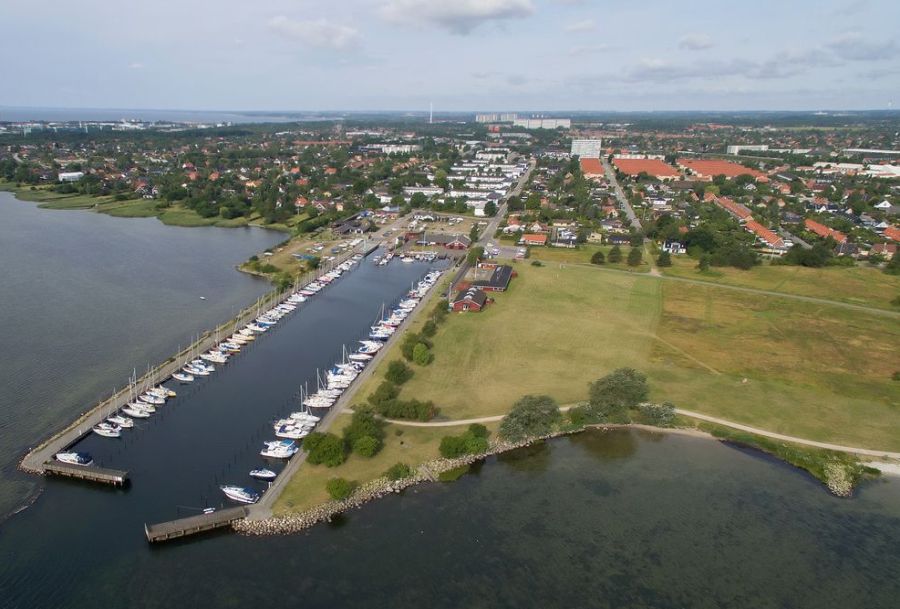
[(40, 459), (102, 475), (192, 525)]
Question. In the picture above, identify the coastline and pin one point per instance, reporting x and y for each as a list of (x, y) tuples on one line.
[(130, 208), (430, 471)]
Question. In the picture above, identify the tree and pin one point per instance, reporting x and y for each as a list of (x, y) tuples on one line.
[(664, 259), (661, 415), (398, 372), (598, 258), (339, 488), (703, 264), (490, 209), (398, 471), (327, 449), (472, 442), (635, 256), (385, 391), (893, 268), (422, 355), (615, 254), (418, 200), (474, 255), (532, 415), (473, 233), (611, 396), (364, 435)]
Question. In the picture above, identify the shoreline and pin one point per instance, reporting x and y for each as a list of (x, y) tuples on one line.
[(430, 471)]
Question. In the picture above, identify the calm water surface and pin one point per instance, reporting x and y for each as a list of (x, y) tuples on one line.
[(621, 519)]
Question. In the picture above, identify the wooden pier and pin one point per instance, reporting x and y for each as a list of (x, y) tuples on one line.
[(102, 475), (194, 524)]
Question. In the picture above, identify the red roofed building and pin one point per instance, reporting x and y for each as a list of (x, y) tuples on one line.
[(735, 209), (531, 239), (771, 239), (824, 231), (892, 232), (592, 168), (652, 167), (709, 168)]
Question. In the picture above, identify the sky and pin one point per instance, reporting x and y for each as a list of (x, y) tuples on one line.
[(462, 55)]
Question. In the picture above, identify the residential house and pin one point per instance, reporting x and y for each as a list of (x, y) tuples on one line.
[(472, 299)]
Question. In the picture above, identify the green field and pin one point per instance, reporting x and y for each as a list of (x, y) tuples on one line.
[(855, 285), (813, 371), (582, 255)]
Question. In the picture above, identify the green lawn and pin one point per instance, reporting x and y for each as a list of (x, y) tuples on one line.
[(813, 371), (582, 255), (857, 285)]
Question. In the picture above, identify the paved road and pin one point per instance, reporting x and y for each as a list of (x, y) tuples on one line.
[(694, 415), (620, 195)]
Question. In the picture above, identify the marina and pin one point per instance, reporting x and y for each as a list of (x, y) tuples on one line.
[(40, 460)]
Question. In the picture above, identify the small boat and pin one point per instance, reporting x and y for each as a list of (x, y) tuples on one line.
[(240, 494), (74, 458), (183, 377), (123, 422), (263, 474), (359, 357), (149, 398), (133, 410), (279, 449), (107, 430)]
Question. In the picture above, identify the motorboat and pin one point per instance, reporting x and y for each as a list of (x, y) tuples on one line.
[(183, 377), (123, 422), (240, 494), (75, 458), (107, 430), (359, 357), (292, 432), (263, 474), (193, 371), (279, 449), (214, 356)]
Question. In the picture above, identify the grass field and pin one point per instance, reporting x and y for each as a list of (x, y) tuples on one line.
[(413, 445), (812, 371), (856, 285), (582, 254)]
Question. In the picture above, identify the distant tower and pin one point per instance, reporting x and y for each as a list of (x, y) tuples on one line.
[(430, 113)]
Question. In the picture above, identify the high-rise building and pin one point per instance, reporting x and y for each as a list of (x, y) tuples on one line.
[(587, 149)]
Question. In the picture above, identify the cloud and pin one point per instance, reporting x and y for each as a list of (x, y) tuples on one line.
[(320, 33), (135, 65), (695, 42), (853, 46), (585, 25), (456, 16), (848, 9)]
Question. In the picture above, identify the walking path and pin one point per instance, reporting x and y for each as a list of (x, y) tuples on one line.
[(694, 415)]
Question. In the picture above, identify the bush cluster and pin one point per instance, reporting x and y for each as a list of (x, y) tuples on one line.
[(472, 442)]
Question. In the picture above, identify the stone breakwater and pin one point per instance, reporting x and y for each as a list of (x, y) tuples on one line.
[(370, 491)]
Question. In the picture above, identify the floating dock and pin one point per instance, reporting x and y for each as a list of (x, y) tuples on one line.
[(192, 525), (102, 475)]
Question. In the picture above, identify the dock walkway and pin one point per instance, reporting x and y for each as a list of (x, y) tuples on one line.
[(192, 525)]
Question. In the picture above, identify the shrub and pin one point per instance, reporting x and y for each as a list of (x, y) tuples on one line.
[(327, 450), (615, 254), (661, 415), (409, 344), (422, 355), (664, 259), (366, 446), (533, 415), (598, 258), (398, 372), (398, 471), (386, 391), (537, 263), (430, 328), (339, 488), (472, 442), (365, 434), (635, 256), (407, 409)]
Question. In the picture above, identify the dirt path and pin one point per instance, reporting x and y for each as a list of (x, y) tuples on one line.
[(694, 415)]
